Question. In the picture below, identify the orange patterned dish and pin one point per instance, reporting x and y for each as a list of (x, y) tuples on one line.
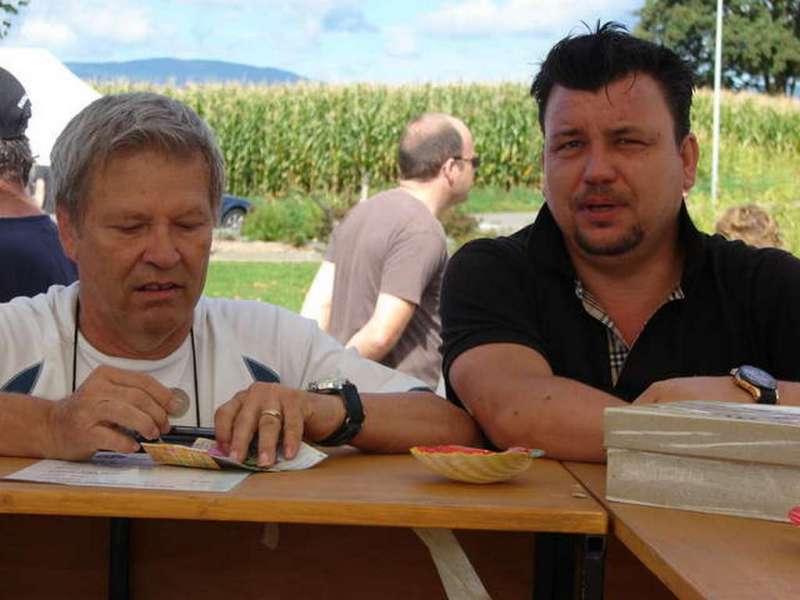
[(794, 515), (475, 465)]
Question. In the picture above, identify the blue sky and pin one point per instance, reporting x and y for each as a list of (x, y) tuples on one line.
[(404, 41)]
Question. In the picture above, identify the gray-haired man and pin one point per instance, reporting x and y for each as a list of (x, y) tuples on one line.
[(138, 180)]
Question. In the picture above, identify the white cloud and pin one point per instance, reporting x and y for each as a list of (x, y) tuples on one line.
[(400, 42), (119, 23), (80, 24), (328, 16), (490, 17), (38, 32)]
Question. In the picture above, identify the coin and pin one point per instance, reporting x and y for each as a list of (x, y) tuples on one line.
[(183, 398)]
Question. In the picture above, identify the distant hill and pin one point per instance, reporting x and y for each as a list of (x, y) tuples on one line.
[(167, 70)]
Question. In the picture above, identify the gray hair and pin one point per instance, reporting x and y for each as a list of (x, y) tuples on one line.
[(426, 144), (124, 122), (16, 160)]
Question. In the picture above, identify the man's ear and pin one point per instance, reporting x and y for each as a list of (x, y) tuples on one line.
[(67, 233), (543, 184), (690, 154), (448, 170)]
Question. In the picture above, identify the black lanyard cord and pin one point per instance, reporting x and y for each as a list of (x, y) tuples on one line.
[(75, 361)]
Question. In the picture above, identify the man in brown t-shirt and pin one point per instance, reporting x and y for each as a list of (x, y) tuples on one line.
[(386, 259)]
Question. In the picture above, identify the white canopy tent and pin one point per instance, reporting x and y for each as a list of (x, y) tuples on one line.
[(56, 94)]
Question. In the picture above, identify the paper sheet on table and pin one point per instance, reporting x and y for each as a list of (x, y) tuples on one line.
[(110, 469), (204, 455)]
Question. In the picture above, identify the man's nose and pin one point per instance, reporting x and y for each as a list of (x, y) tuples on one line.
[(161, 250), (599, 166)]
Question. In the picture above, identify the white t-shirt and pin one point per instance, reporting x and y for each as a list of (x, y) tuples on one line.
[(237, 342)]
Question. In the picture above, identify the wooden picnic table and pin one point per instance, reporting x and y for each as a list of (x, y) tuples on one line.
[(700, 555), (213, 539)]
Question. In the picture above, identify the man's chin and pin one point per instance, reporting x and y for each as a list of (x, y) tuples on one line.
[(610, 246), (162, 320)]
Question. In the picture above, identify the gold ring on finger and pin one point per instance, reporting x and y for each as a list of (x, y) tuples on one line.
[(272, 412)]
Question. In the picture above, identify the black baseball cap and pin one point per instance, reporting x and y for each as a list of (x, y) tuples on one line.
[(15, 107)]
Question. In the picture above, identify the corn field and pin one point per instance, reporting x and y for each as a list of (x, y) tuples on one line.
[(328, 138)]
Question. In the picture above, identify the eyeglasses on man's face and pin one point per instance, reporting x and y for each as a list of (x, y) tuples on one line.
[(475, 161)]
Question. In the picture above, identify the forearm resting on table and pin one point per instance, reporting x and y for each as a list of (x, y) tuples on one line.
[(24, 425), (561, 416), (395, 422), (789, 393), (720, 388), (517, 401)]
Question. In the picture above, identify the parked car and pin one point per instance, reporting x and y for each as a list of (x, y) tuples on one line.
[(234, 210)]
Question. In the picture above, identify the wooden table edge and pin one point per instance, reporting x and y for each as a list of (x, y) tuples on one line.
[(666, 573), (217, 507)]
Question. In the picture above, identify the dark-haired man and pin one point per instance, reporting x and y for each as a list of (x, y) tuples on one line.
[(32, 257), (612, 296), (385, 261)]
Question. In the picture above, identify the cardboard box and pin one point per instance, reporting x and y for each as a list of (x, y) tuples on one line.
[(717, 457)]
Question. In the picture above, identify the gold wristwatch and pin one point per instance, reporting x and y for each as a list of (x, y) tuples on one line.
[(757, 382)]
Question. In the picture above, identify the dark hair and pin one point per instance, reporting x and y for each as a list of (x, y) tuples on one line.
[(592, 61), (426, 144), (16, 160)]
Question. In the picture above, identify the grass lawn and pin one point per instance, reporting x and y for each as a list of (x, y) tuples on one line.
[(284, 284), (493, 199)]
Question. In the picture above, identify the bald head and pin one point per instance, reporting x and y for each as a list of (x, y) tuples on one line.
[(427, 143)]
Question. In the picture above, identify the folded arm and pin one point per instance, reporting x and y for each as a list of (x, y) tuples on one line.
[(719, 388), (511, 391)]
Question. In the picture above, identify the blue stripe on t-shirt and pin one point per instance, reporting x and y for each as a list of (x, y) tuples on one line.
[(24, 381), (260, 372)]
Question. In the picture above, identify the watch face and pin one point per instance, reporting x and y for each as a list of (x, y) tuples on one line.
[(757, 377), (332, 384)]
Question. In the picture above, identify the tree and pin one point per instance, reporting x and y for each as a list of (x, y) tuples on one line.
[(761, 39), (8, 9)]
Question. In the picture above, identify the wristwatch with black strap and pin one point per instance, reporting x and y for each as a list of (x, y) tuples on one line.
[(354, 409), (757, 382)]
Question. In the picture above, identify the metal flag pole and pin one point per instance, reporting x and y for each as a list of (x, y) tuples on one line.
[(717, 93)]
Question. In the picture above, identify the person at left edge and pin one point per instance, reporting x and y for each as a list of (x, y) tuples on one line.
[(137, 179), (32, 257)]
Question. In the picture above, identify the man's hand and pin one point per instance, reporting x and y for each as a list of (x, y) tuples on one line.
[(280, 415), (110, 399), (722, 389)]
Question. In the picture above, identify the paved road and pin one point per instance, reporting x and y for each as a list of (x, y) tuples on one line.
[(239, 251), (504, 223)]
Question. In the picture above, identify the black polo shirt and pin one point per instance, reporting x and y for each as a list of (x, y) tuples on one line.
[(741, 306)]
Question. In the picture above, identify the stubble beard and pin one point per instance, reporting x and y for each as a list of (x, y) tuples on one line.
[(622, 245)]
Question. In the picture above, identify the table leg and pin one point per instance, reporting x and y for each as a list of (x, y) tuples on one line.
[(554, 566), (593, 567), (558, 556), (118, 565)]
